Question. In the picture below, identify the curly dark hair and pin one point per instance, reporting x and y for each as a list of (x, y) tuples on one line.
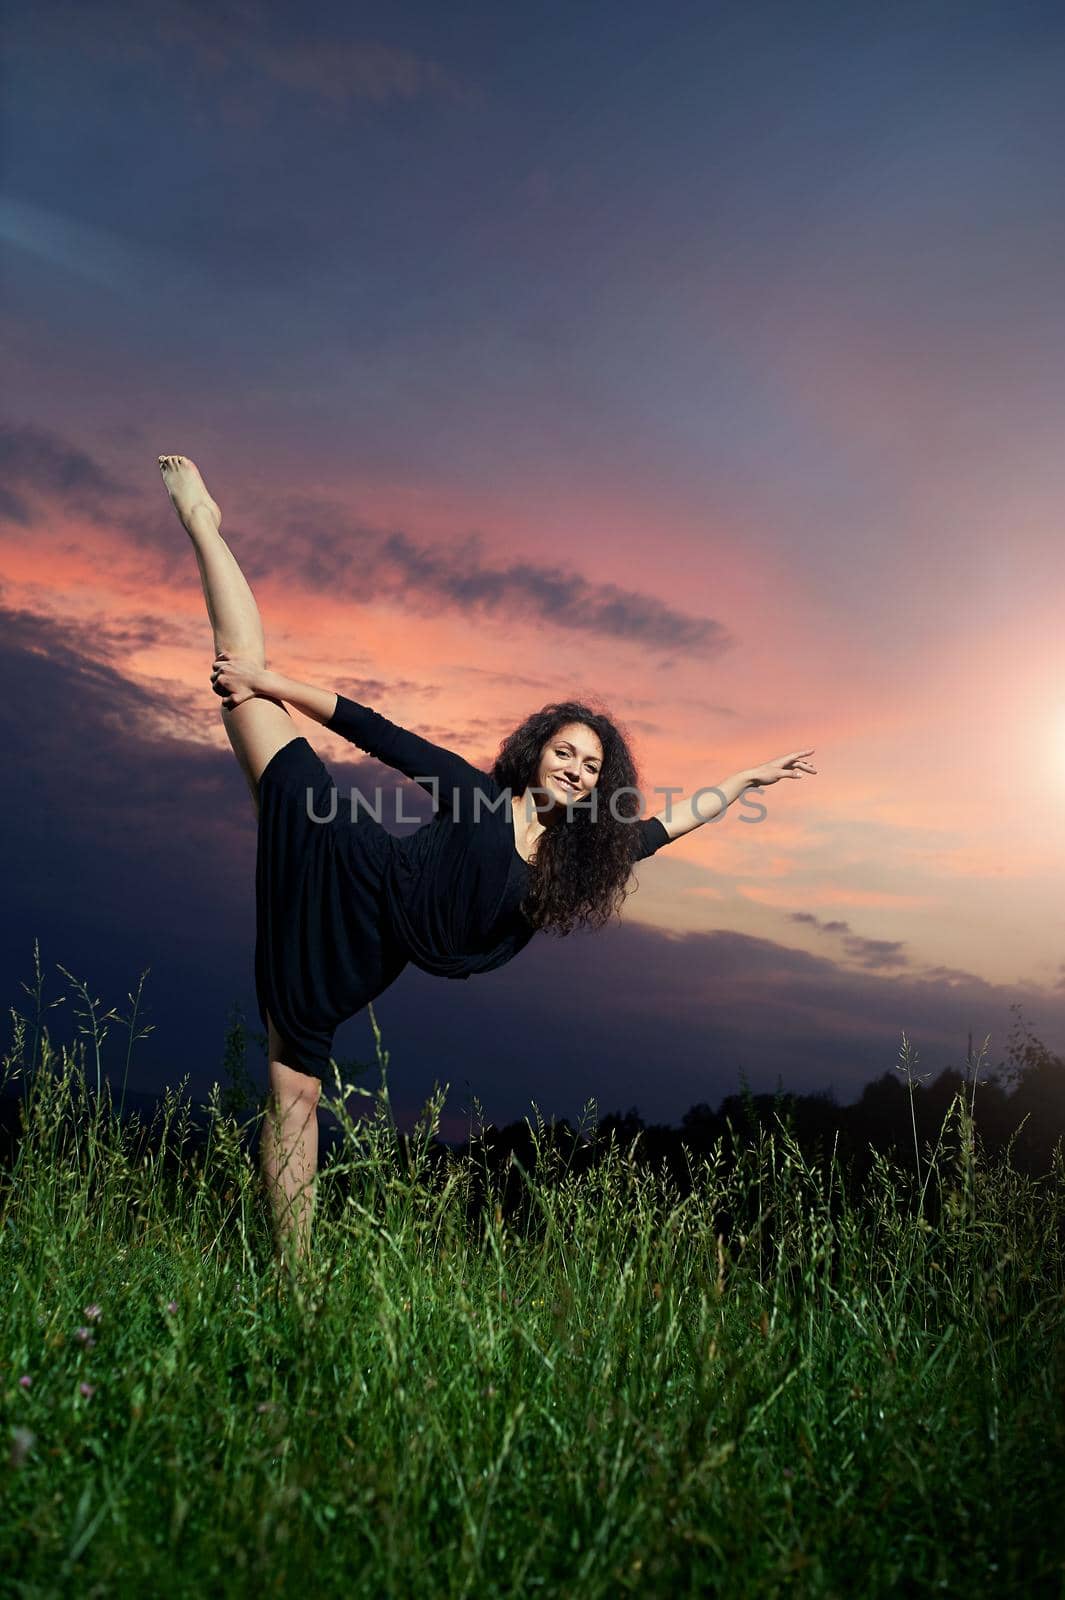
[(583, 865)]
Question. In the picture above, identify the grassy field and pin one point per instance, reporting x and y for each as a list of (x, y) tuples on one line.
[(585, 1383)]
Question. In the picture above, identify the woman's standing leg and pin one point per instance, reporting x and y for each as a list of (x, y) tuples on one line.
[(289, 1151), (257, 729)]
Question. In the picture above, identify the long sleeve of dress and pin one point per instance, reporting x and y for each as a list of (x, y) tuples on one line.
[(652, 836), (446, 776)]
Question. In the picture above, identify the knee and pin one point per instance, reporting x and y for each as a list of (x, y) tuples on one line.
[(290, 1088)]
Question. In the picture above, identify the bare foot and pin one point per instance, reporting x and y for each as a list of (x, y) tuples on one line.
[(187, 489)]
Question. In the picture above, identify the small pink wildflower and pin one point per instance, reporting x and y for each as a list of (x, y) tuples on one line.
[(84, 1336), (171, 1307), (94, 1312), (87, 1389), (25, 1382)]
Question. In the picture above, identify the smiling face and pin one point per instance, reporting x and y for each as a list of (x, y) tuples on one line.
[(570, 763)]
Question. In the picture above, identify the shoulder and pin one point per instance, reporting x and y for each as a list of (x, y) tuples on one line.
[(494, 794)]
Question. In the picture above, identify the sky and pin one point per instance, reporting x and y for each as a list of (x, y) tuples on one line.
[(705, 359)]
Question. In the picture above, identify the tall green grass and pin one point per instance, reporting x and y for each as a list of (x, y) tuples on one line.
[(589, 1382)]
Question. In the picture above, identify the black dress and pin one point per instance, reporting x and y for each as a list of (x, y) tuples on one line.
[(342, 905)]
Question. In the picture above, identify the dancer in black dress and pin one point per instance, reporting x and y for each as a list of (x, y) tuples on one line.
[(545, 841)]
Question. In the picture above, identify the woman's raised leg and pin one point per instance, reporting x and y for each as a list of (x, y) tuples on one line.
[(258, 727)]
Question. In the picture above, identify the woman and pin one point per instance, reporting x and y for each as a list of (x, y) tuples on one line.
[(546, 841)]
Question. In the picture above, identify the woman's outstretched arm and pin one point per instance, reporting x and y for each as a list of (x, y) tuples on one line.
[(237, 680), (708, 803), (681, 816), (320, 704), (449, 778), (442, 773)]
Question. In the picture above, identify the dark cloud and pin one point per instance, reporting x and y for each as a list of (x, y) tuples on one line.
[(632, 1016), (871, 953), (107, 639), (876, 953), (565, 598), (370, 691), (808, 917), (951, 976), (319, 548), (13, 508), (333, 73), (319, 545), (122, 848), (235, 45), (37, 461)]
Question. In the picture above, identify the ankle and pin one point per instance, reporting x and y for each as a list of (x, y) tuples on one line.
[(199, 516)]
